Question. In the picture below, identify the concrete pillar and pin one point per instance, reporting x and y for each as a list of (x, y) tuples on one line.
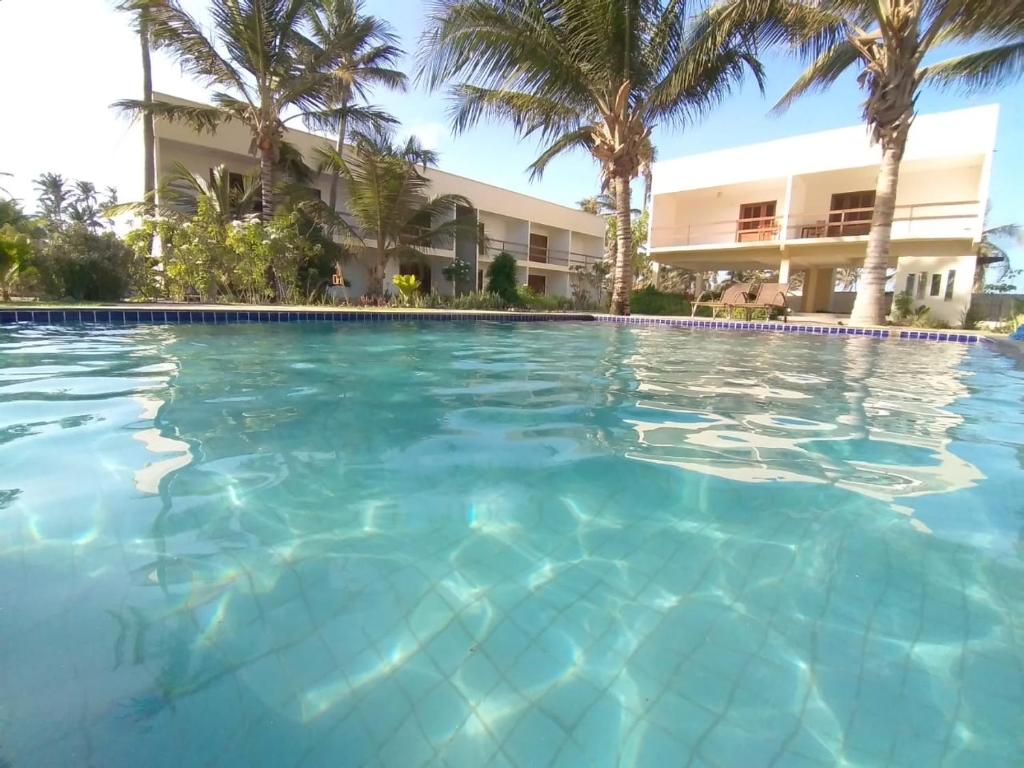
[(818, 287), (698, 284), (784, 270), (656, 274)]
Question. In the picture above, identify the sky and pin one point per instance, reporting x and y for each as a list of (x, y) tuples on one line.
[(63, 62)]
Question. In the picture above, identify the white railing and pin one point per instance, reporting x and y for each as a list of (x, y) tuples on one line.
[(916, 220)]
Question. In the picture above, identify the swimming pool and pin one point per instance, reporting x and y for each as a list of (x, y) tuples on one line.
[(507, 545)]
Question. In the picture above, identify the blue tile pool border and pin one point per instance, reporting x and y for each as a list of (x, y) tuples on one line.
[(231, 315), (898, 334)]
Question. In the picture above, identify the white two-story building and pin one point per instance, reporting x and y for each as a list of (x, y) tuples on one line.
[(546, 239), (804, 204)]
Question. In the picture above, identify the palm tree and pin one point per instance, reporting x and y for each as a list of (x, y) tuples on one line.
[(388, 198), (179, 195), (991, 251), (54, 198), (591, 74), (365, 50), (886, 41), (263, 66), (140, 19)]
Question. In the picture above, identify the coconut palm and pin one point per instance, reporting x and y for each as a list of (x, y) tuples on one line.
[(591, 74), (392, 214), (991, 251), (365, 50), (886, 42), (54, 198), (263, 67), (140, 21)]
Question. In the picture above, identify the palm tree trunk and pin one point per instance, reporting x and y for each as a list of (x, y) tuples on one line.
[(869, 307), (267, 184), (148, 131), (622, 282), (332, 196)]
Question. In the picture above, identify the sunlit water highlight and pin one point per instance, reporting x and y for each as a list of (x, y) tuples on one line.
[(507, 545)]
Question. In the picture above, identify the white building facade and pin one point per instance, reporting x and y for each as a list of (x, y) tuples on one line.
[(547, 240), (804, 204)]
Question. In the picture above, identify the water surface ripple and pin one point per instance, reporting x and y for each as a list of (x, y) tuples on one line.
[(507, 545)]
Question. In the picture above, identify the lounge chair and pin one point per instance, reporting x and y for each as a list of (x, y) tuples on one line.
[(736, 295), (769, 296)]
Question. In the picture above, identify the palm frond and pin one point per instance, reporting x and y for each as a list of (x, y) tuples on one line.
[(824, 71), (200, 118), (978, 71), (528, 113), (580, 138)]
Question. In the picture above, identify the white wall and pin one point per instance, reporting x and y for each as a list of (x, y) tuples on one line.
[(709, 215), (949, 311), (959, 133)]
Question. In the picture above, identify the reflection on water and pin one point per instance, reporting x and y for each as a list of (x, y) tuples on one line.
[(885, 433), (501, 545)]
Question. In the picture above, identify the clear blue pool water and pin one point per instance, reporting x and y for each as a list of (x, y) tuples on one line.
[(507, 545)]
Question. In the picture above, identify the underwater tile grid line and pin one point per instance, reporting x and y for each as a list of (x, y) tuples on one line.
[(507, 544), (231, 315)]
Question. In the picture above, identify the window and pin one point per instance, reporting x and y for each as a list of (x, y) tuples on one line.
[(479, 279), (850, 213), (481, 238), (922, 281), (538, 247), (538, 284), (756, 222), (950, 281), (910, 284), (936, 285)]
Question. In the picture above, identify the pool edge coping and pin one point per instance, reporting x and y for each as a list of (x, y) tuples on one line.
[(233, 315)]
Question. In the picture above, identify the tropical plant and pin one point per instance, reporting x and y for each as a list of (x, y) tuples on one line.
[(501, 277), (264, 68), (591, 74), (140, 21), (179, 194), (886, 42), (364, 50), (53, 197), (15, 250), (388, 199), (407, 285), (992, 250)]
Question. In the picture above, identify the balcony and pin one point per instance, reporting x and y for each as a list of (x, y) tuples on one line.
[(950, 220), (536, 255), (912, 221)]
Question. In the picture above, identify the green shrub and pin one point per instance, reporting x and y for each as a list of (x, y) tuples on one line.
[(501, 277), (651, 301), (479, 300), (539, 302), (78, 263)]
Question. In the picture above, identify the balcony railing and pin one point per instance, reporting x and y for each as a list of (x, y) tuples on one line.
[(536, 255), (915, 220), (923, 220)]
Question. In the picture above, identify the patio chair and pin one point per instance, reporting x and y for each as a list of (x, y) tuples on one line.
[(769, 296), (736, 295)]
